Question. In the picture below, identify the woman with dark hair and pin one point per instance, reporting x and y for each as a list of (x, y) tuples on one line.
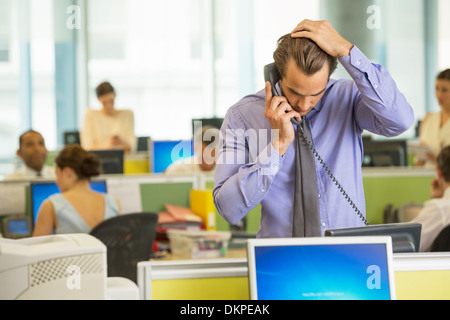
[(77, 209), (435, 127), (108, 128)]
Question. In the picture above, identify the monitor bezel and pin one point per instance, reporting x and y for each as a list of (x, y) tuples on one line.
[(51, 182), (117, 153), (152, 154), (273, 242)]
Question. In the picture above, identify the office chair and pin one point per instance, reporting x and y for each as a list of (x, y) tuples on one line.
[(129, 240), (442, 241)]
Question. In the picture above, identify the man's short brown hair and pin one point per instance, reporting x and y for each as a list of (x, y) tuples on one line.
[(308, 56)]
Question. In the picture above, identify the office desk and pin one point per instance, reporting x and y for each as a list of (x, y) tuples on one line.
[(418, 276), (195, 279)]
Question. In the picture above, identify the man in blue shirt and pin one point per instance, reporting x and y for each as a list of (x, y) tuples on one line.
[(256, 161)]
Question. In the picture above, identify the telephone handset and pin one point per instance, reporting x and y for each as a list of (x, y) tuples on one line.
[(272, 75)]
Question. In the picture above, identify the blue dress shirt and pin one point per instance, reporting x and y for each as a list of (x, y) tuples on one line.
[(250, 171)]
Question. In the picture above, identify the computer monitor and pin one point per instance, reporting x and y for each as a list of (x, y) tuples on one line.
[(164, 152), (71, 137), (40, 191), (112, 160), (16, 226), (322, 268), (385, 153), (405, 236), (142, 143), (214, 122)]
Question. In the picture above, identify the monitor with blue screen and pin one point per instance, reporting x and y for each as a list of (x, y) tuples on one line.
[(164, 152), (40, 191), (351, 268)]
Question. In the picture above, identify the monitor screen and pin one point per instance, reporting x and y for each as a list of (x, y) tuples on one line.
[(72, 137), (18, 226), (40, 191), (164, 153), (321, 269), (405, 236), (201, 122), (385, 153), (112, 161)]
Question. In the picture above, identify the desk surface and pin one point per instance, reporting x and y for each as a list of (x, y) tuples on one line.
[(231, 253)]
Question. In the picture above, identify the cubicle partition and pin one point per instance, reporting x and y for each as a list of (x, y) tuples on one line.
[(382, 186), (194, 279), (418, 276), (150, 192)]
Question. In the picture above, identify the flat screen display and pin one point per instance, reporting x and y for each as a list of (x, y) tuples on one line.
[(164, 153), (321, 271), (41, 191)]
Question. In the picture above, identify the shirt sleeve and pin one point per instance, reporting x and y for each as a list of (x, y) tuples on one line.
[(241, 182), (432, 223), (380, 107)]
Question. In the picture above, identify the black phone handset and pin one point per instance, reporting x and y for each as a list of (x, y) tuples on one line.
[(272, 75)]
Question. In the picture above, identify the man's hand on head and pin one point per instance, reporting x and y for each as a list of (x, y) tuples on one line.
[(324, 35)]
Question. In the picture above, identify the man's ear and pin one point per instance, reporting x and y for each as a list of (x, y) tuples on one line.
[(19, 153), (439, 172)]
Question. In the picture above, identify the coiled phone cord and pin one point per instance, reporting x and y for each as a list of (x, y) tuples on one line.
[(332, 177)]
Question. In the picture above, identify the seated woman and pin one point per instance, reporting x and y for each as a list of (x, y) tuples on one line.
[(77, 209)]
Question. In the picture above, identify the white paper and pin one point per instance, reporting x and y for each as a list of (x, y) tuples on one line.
[(420, 151), (128, 192), (12, 198)]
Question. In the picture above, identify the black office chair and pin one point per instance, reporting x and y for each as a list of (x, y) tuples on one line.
[(442, 241), (129, 240)]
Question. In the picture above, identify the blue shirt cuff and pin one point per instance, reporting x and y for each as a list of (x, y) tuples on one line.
[(269, 160), (356, 59)]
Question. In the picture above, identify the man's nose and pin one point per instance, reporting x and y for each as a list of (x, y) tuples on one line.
[(304, 103)]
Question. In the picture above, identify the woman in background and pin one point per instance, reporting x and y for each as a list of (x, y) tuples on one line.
[(435, 127), (77, 209), (108, 128)]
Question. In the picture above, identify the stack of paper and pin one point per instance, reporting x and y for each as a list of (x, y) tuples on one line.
[(179, 218), (175, 218)]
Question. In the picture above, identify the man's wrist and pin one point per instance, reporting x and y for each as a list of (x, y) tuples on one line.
[(280, 146), (346, 50)]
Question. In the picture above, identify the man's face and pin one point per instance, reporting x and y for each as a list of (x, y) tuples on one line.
[(303, 92), (32, 151)]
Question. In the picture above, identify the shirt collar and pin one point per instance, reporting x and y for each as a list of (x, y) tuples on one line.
[(447, 193)]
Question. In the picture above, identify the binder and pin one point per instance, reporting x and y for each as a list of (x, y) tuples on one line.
[(202, 204)]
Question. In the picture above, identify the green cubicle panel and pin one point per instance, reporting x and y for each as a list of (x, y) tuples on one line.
[(396, 190), (156, 195), (382, 186)]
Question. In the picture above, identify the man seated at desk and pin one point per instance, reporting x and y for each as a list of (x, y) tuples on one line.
[(33, 153), (206, 141)]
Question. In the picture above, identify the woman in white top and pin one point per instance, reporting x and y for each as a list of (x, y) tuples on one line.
[(78, 208), (108, 128), (435, 128)]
